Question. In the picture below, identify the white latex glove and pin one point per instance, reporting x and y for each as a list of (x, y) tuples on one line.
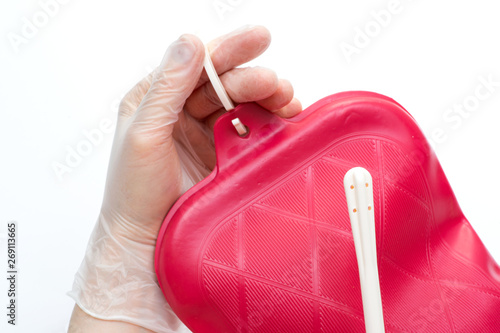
[(163, 145)]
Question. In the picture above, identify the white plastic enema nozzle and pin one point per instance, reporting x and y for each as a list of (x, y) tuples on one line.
[(358, 187)]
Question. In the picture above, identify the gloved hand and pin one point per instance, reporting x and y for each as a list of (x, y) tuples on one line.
[(163, 145)]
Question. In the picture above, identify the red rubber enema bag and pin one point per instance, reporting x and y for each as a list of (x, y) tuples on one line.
[(264, 243)]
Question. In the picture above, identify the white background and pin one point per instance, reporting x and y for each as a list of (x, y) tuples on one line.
[(71, 74)]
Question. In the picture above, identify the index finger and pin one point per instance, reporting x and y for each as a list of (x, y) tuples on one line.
[(236, 48)]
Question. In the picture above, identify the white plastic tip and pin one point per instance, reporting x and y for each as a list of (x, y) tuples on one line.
[(240, 128), (358, 187), (214, 79)]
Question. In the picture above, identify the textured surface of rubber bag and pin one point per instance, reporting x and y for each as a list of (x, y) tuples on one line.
[(264, 243)]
